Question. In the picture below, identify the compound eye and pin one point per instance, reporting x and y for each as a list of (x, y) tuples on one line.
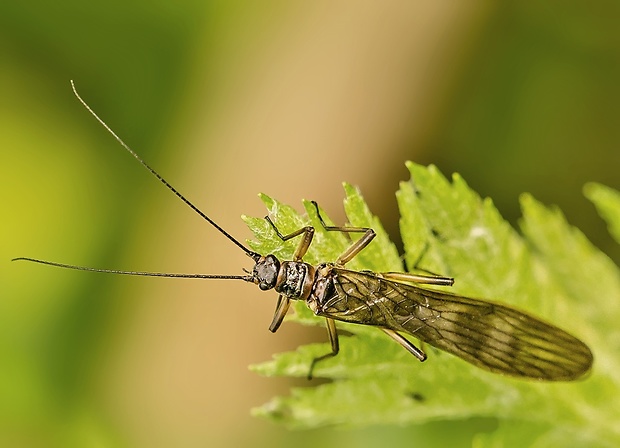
[(264, 286)]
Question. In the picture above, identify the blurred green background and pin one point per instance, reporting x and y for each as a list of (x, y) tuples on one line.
[(227, 99)]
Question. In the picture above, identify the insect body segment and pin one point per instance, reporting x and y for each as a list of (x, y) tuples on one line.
[(495, 337)]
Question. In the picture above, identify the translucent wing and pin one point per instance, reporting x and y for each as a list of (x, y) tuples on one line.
[(489, 335)]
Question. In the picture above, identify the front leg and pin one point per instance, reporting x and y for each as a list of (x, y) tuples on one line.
[(304, 244), (278, 316), (357, 246)]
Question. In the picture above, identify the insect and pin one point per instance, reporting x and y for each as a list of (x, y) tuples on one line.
[(489, 335)]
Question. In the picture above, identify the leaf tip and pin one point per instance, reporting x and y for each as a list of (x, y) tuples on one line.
[(589, 188), (267, 200), (594, 191), (275, 410), (526, 199), (349, 189)]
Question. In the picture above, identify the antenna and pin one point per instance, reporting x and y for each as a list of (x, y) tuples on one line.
[(247, 278), (255, 256)]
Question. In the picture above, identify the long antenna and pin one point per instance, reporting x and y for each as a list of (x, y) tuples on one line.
[(247, 278), (250, 253)]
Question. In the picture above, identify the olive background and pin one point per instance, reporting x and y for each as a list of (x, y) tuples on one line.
[(227, 99)]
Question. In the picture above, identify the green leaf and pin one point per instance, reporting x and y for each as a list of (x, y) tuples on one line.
[(551, 271), (607, 202)]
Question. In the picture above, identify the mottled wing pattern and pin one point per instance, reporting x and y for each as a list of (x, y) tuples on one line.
[(486, 334)]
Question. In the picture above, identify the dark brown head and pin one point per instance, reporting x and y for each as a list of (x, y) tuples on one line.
[(265, 272)]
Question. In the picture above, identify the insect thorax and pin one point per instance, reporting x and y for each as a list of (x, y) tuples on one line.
[(323, 288), (295, 279)]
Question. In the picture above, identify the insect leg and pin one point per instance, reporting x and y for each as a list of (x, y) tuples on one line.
[(304, 244), (357, 246), (406, 344), (333, 339), (278, 316), (416, 267), (414, 278)]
